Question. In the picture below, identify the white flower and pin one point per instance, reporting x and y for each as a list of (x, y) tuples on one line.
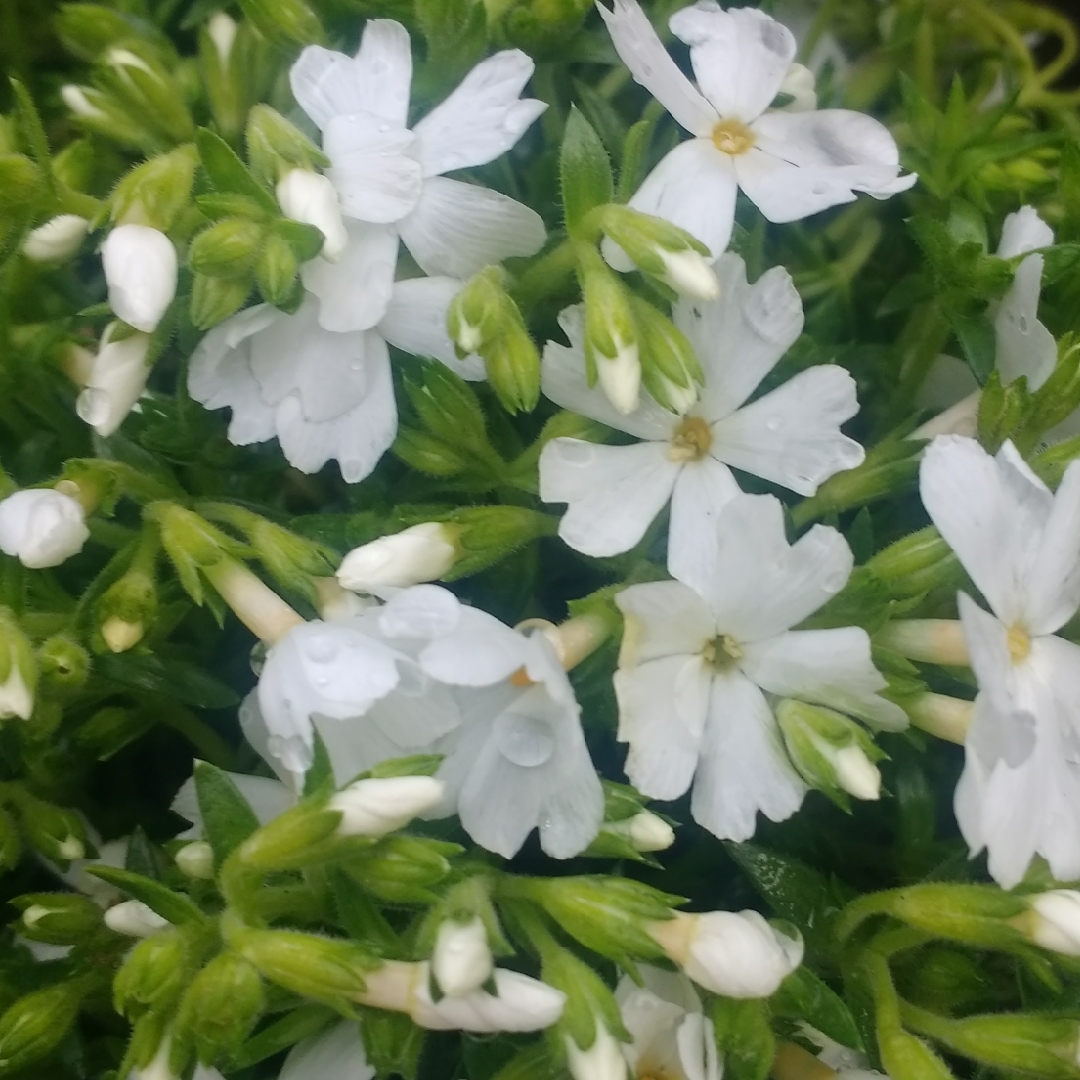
[(42, 527), (388, 177), (334, 1054), (519, 760), (58, 240), (380, 805), (310, 197), (116, 380), (1057, 922), (670, 1036), (790, 436), (603, 1060), (140, 270), (1019, 794), (461, 960), (133, 918), (326, 396), (424, 552), (16, 698), (699, 655), (790, 163), (734, 953)]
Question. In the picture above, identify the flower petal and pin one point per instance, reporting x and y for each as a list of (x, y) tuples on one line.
[(328, 84), (662, 710), (355, 291), (826, 667), (572, 810), (563, 380), (479, 652), (987, 510), (641, 50), (792, 435), (1023, 231), (1053, 580), (483, 118), (662, 618), (744, 767), (757, 585), (356, 439), (456, 229), (415, 322), (422, 611), (1024, 346), (702, 490), (694, 187), (740, 56), (334, 1054), (612, 493), (740, 336)]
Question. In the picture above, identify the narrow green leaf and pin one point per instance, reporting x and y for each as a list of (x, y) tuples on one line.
[(228, 173), (584, 170), (176, 907), (228, 820)]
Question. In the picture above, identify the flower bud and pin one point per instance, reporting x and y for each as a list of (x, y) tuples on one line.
[(52, 830), (311, 198), (141, 271), (275, 146), (57, 918), (1054, 921), (799, 85), (611, 346), (603, 1060), (227, 249), (669, 367), (377, 806), (18, 669), (475, 314), (645, 831), (737, 954), (116, 380), (222, 32), (222, 1005), (662, 250), (63, 662), (121, 635), (58, 240), (424, 552), (461, 960), (35, 1025), (286, 22), (196, 860), (153, 974), (133, 918), (42, 527), (156, 192)]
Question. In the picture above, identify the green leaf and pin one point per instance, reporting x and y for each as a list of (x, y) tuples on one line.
[(634, 156), (361, 919), (228, 820), (584, 170), (743, 1037), (319, 779), (392, 1042), (176, 907), (975, 333), (298, 1024), (186, 683), (34, 132), (228, 173), (142, 857), (802, 994)]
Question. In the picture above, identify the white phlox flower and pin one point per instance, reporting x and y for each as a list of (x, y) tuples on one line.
[(1019, 795), (324, 395), (334, 1054), (519, 761), (790, 436), (116, 380), (671, 1038), (358, 681), (1022, 344), (700, 654), (141, 269), (789, 163), (389, 177), (42, 527)]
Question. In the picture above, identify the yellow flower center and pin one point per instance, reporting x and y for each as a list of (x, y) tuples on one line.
[(691, 440), (1019, 643), (723, 652), (732, 137)]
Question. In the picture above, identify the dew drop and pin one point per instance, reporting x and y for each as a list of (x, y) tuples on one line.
[(1023, 324), (384, 128), (523, 740), (321, 649), (93, 405), (819, 189), (774, 423)]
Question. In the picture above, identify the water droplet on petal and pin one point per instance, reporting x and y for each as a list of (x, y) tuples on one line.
[(384, 128), (523, 740), (1023, 324), (774, 423), (93, 405), (321, 649)]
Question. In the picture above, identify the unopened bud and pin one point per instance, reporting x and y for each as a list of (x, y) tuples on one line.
[(645, 831), (58, 240), (42, 527), (222, 1005), (275, 146), (141, 272), (196, 860), (153, 974), (121, 635), (421, 553), (52, 830), (311, 198), (18, 669), (475, 313), (737, 954), (222, 32), (58, 918), (133, 918), (669, 367), (156, 192), (226, 249), (603, 1060), (377, 806), (461, 960), (116, 380), (37, 1023), (1054, 921), (63, 662), (611, 347)]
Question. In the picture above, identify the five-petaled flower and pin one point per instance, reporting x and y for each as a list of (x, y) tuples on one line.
[(790, 164)]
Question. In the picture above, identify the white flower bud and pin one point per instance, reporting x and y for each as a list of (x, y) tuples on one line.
[(857, 774), (57, 240), (134, 919), (140, 270), (603, 1060), (75, 98), (121, 635), (71, 848), (117, 378), (310, 197), (461, 960), (422, 553), (799, 84), (16, 698), (689, 274), (1056, 925), (648, 832), (42, 527), (375, 807), (196, 860), (737, 954), (620, 376), (222, 32)]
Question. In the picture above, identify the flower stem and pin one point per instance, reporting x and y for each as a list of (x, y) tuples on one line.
[(256, 605), (932, 641), (946, 717)]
